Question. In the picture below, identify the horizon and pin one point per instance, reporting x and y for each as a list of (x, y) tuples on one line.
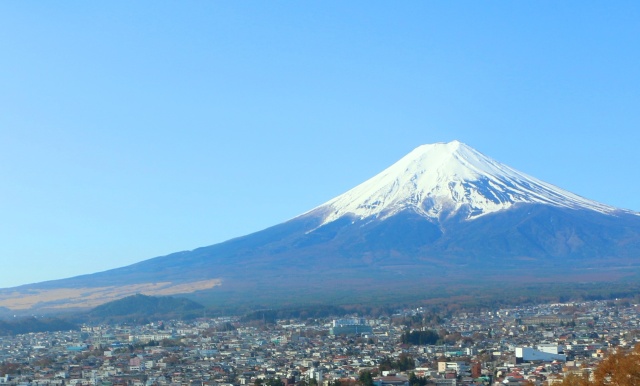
[(132, 131)]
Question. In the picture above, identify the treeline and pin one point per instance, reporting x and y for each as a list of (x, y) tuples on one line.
[(27, 325), (447, 302), (403, 363), (302, 312), (418, 338), (317, 311)]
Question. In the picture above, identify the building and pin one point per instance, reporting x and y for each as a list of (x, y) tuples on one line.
[(529, 354), (350, 327), (391, 380), (547, 320), (457, 367)]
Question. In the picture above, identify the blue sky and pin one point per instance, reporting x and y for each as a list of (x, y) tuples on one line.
[(130, 130)]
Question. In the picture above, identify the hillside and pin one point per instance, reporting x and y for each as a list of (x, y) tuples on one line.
[(140, 306), (31, 324)]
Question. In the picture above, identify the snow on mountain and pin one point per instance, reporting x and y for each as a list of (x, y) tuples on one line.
[(442, 179)]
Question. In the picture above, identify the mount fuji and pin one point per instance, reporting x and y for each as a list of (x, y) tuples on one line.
[(440, 180), (444, 214)]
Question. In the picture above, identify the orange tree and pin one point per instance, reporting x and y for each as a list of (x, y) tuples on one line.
[(620, 368)]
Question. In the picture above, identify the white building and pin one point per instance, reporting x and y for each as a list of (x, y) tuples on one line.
[(527, 354)]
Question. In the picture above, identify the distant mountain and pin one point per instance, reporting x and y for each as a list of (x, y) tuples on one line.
[(445, 217)]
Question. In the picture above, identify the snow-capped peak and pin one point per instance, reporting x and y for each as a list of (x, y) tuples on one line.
[(442, 179)]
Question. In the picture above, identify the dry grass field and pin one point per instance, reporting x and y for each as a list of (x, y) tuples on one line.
[(72, 298)]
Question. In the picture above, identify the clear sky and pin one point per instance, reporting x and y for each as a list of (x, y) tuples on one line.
[(133, 129)]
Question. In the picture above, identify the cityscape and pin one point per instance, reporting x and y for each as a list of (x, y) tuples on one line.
[(534, 345)]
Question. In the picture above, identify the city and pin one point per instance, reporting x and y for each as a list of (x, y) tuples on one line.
[(537, 345)]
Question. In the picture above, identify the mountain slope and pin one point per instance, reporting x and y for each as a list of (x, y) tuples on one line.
[(444, 213)]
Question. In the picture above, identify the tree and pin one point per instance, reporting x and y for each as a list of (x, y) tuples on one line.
[(274, 382), (405, 362), (366, 378), (576, 380), (386, 364), (9, 368), (621, 368), (420, 337), (416, 381)]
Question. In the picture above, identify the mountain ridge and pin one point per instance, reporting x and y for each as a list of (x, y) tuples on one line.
[(499, 223)]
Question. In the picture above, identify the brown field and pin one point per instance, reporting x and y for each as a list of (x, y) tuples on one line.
[(71, 298)]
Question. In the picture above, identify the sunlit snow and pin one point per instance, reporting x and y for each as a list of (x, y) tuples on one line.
[(444, 179)]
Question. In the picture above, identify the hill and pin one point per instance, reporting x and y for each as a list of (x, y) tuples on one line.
[(138, 307)]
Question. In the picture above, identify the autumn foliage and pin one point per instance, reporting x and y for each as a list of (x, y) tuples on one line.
[(620, 368)]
